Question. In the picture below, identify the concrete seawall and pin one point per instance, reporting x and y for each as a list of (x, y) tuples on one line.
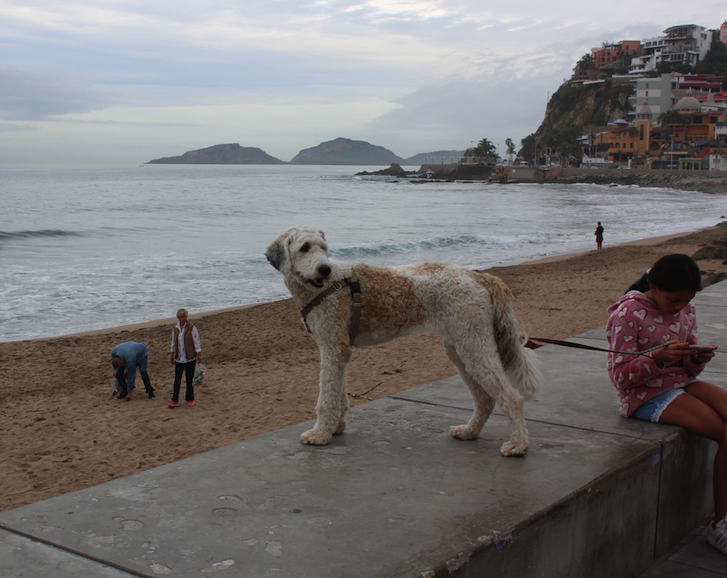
[(395, 496)]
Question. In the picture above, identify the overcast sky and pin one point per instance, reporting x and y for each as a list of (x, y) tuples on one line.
[(126, 81)]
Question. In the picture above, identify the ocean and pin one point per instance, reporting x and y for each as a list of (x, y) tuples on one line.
[(90, 247)]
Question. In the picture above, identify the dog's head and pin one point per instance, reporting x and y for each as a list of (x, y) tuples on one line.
[(301, 254)]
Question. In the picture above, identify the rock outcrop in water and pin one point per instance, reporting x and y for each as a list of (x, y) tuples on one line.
[(224, 154), (343, 151), (394, 170)]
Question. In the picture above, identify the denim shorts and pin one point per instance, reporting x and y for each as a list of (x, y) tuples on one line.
[(651, 410)]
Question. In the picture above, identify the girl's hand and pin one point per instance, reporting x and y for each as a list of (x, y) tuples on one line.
[(703, 356), (673, 351)]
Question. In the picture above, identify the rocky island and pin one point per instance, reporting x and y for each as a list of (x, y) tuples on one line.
[(343, 151), (224, 154)]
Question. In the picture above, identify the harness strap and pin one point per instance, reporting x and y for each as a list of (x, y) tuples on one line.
[(317, 301), (356, 305)]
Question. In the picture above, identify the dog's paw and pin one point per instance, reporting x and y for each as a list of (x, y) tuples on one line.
[(315, 437), (511, 449), (341, 428), (463, 432)]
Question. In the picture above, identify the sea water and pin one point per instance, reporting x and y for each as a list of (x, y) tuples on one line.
[(90, 247)]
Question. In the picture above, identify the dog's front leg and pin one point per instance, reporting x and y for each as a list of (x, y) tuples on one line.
[(332, 400)]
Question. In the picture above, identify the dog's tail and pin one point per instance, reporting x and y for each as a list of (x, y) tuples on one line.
[(521, 365)]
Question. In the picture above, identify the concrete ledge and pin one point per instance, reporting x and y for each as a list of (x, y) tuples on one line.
[(597, 495)]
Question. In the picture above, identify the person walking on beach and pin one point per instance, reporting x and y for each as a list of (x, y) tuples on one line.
[(599, 235), (186, 353), (661, 385), (125, 358)]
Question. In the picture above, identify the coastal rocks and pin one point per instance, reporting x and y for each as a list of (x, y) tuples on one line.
[(457, 172), (707, 183), (712, 278), (710, 252), (394, 170)]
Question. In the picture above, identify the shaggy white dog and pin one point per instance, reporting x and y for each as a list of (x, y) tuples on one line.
[(471, 311)]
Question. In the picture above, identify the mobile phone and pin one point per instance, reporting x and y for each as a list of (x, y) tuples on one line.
[(702, 348)]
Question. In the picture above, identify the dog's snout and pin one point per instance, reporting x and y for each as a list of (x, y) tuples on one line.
[(324, 270)]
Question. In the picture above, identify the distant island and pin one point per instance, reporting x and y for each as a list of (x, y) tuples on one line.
[(344, 151), (340, 151), (224, 154)]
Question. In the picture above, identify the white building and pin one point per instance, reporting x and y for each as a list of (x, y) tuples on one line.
[(683, 44)]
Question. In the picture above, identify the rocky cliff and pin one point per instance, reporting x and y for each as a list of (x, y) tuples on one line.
[(224, 154), (343, 151), (585, 105)]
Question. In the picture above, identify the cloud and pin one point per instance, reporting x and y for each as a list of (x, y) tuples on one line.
[(9, 127), (411, 75), (453, 113), (35, 95)]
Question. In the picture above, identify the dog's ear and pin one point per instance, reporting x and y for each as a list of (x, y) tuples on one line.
[(276, 253)]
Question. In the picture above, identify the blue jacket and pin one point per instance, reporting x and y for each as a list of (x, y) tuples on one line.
[(132, 353)]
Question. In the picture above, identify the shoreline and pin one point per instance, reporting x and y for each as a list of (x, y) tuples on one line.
[(202, 314)]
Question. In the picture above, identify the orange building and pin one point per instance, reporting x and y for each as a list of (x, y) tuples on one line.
[(609, 54), (604, 56), (620, 140), (643, 141)]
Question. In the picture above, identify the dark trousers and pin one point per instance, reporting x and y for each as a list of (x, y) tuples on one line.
[(121, 377), (188, 369)]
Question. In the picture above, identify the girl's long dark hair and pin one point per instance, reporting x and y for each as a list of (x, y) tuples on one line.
[(676, 273)]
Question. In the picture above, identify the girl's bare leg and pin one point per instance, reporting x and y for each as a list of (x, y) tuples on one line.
[(703, 410)]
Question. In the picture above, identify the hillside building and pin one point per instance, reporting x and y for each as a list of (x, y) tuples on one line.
[(684, 44), (606, 56), (662, 93), (723, 32), (646, 143)]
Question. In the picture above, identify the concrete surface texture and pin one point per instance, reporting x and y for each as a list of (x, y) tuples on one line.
[(597, 495)]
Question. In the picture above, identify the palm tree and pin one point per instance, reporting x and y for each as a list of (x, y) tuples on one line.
[(673, 118), (587, 62), (591, 138), (510, 148), (486, 151), (633, 133), (669, 135)]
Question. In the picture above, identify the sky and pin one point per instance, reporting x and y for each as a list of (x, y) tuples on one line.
[(125, 81)]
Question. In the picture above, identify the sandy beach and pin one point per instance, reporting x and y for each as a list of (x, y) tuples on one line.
[(62, 430)]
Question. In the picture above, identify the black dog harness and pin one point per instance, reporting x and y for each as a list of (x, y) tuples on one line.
[(356, 305)]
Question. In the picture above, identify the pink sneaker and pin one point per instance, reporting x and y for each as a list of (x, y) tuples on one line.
[(717, 536), (189, 402), (173, 404)]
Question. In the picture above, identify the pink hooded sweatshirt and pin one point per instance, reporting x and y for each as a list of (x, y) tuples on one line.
[(636, 323)]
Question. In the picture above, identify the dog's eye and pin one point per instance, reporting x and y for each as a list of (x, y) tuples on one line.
[(305, 248)]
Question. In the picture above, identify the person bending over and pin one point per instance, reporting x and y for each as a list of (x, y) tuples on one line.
[(125, 358)]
